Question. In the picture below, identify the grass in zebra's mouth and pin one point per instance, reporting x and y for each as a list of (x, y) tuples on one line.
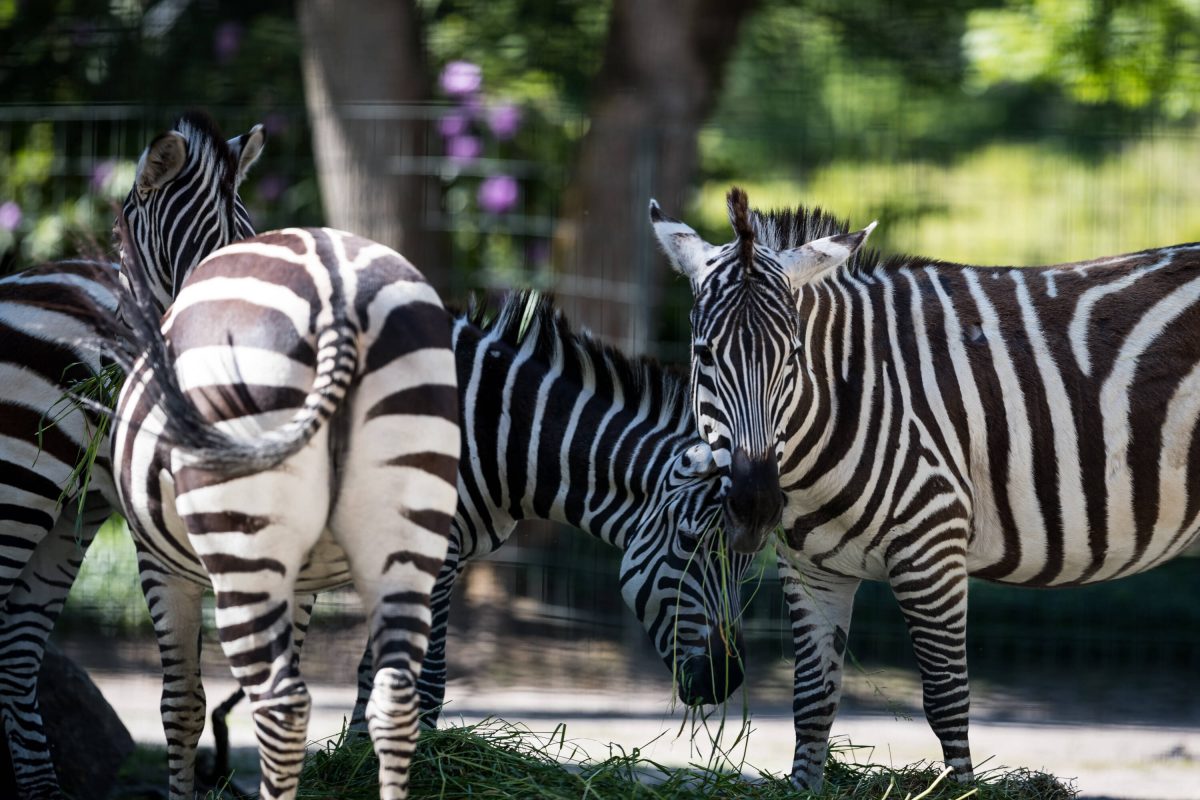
[(495, 759), (100, 389)]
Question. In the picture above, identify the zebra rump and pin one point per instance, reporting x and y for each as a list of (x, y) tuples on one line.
[(203, 444)]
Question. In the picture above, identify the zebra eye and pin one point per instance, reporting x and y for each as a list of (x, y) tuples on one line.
[(702, 354)]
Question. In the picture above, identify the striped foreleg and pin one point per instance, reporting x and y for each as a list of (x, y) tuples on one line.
[(932, 592), (34, 603), (819, 605), (176, 611)]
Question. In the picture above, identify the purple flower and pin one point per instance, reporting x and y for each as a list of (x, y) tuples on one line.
[(498, 194), (10, 216), (463, 149), (461, 78), (101, 173), (504, 120), (453, 124), (227, 41), (271, 187)]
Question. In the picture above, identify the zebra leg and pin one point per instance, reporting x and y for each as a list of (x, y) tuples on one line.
[(819, 605), (394, 559), (176, 611), (34, 603), (933, 596), (431, 685)]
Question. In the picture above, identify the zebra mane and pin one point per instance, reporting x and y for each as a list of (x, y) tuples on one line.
[(783, 229), (528, 315), (204, 135)]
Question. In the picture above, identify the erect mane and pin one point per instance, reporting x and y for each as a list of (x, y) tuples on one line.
[(528, 316), (204, 135), (783, 229)]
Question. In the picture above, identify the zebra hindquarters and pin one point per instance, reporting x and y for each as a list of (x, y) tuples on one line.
[(253, 534), (396, 495)]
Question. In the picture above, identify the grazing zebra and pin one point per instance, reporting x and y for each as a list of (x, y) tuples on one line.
[(297, 430), (931, 421), (184, 199), (576, 432)]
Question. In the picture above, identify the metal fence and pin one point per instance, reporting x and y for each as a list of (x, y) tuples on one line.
[(61, 167)]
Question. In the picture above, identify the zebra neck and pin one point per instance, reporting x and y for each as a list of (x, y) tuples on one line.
[(567, 438)]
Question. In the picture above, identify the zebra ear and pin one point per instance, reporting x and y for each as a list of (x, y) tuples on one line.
[(688, 253), (161, 162), (247, 148), (820, 255)]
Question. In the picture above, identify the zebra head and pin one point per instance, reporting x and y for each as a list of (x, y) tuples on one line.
[(184, 202), (747, 352), (681, 580)]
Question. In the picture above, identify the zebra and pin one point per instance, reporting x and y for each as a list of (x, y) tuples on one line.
[(294, 428), (930, 421), (183, 200), (578, 433), (594, 409)]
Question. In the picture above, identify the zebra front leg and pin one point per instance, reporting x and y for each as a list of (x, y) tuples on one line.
[(819, 605), (176, 611), (34, 603), (932, 593), (431, 686)]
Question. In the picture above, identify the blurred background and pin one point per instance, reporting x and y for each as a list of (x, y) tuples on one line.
[(513, 143)]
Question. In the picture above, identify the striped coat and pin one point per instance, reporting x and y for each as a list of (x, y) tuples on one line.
[(929, 421)]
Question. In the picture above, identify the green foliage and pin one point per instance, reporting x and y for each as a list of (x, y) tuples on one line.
[(496, 759), (107, 593), (1142, 54), (103, 388)]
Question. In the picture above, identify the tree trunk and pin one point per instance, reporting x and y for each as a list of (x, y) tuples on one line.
[(364, 72), (662, 70)]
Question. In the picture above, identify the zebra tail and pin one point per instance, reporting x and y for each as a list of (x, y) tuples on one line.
[(197, 439)]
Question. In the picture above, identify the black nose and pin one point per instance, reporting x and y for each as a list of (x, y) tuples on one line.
[(710, 677), (754, 504)]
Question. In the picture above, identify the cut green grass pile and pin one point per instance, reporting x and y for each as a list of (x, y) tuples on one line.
[(495, 759)]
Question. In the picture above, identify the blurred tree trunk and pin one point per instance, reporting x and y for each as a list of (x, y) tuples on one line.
[(364, 65), (662, 70)]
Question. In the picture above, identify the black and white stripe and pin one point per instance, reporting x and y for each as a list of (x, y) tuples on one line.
[(931, 421), (296, 431), (558, 427), (184, 200)]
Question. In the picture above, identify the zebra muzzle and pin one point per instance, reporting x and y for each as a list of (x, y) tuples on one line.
[(754, 503)]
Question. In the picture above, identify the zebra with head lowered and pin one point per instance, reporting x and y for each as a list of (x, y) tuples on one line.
[(928, 421), (293, 428), (556, 426), (183, 204)]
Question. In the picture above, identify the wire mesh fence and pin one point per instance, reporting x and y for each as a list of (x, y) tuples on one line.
[(1019, 201)]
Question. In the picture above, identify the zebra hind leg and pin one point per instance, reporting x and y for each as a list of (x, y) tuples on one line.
[(176, 611)]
